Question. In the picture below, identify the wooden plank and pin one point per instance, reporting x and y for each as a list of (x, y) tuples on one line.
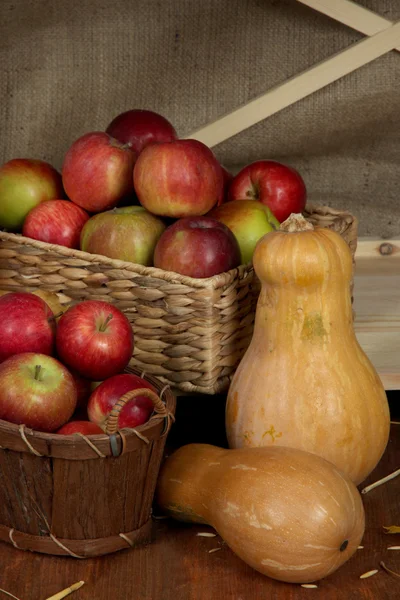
[(299, 86), (377, 306), (351, 14)]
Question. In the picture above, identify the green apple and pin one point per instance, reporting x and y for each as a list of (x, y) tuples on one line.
[(249, 220), (127, 233), (24, 183)]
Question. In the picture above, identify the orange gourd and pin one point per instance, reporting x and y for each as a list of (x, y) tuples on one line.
[(304, 380), (289, 514)]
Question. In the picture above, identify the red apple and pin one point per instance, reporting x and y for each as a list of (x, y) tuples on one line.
[(249, 221), (178, 179), (24, 183), (139, 128), (85, 427), (197, 247), (83, 389), (56, 222), (36, 390), (135, 413), (278, 186), (97, 171), (27, 324), (127, 233), (95, 339), (227, 178)]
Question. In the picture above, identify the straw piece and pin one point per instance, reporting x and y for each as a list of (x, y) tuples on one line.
[(380, 482), (8, 594), (67, 591), (368, 574), (14, 543), (392, 529)]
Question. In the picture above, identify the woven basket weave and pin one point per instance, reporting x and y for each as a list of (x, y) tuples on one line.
[(190, 333)]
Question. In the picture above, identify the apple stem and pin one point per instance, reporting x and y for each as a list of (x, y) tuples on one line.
[(54, 317), (38, 368), (106, 322)]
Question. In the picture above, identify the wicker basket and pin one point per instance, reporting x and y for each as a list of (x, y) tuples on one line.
[(78, 496), (190, 333)]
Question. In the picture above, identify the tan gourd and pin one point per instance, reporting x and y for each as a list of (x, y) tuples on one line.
[(289, 514), (304, 381)]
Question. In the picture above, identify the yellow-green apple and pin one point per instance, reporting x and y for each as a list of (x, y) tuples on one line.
[(56, 222), (24, 183), (248, 221), (135, 412), (127, 233), (138, 128), (27, 324), (95, 339), (85, 427), (274, 184), (197, 247), (97, 171), (178, 179), (36, 390)]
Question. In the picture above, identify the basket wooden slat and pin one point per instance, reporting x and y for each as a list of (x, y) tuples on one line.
[(67, 499), (190, 333)]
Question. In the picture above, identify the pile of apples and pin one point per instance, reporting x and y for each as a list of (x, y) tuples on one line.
[(63, 373), (136, 192)]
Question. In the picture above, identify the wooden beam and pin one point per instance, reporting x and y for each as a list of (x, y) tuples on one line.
[(299, 86), (351, 14)]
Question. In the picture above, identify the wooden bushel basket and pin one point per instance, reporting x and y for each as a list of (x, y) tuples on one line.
[(83, 496)]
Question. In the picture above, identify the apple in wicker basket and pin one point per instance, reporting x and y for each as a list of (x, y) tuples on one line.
[(126, 233), (139, 128), (24, 183), (248, 221), (178, 179), (85, 427), (95, 339), (97, 171), (27, 324), (36, 390), (197, 247), (278, 186), (136, 412), (56, 222)]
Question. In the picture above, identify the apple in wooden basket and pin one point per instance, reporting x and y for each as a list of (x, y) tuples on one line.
[(85, 427), (278, 186), (127, 233), (248, 221), (95, 339), (197, 247), (36, 390), (24, 183), (26, 325), (97, 171), (56, 222), (136, 412), (139, 128), (178, 179)]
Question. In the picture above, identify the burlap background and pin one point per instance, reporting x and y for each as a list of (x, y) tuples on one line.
[(69, 66)]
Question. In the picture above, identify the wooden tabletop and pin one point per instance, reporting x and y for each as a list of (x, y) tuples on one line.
[(179, 566)]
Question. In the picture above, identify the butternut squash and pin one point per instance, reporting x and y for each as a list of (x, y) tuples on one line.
[(304, 380), (287, 513)]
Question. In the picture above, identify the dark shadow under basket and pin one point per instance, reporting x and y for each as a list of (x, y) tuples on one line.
[(71, 496)]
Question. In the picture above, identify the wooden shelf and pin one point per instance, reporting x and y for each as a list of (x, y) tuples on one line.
[(377, 306)]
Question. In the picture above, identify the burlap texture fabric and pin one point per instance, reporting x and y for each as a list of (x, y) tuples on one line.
[(69, 66)]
